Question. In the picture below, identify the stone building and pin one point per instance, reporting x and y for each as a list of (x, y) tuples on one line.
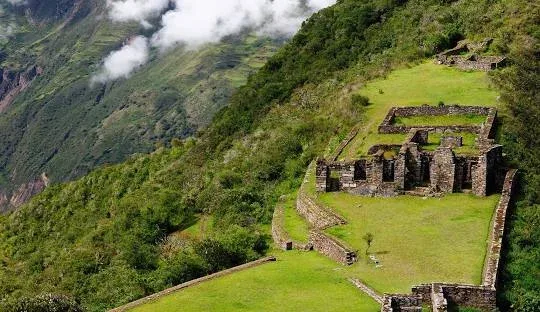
[(466, 56), (390, 170)]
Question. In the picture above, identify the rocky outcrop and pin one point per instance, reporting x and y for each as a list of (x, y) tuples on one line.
[(14, 82), (12, 200)]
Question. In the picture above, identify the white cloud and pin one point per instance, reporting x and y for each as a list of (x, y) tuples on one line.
[(136, 10), (123, 62), (197, 22)]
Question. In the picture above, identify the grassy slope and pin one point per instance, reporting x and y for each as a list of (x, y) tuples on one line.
[(64, 127), (256, 149), (295, 282), (416, 240), (427, 83)]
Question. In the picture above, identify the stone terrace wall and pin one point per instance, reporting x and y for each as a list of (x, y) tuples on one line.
[(318, 216), (440, 296), (398, 302), (487, 131), (279, 234), (491, 267), (332, 248), (479, 297), (387, 125), (194, 282)]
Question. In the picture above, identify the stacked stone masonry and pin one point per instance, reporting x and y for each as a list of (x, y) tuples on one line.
[(279, 234), (497, 233), (332, 248), (441, 296), (319, 217), (391, 170), (466, 56)]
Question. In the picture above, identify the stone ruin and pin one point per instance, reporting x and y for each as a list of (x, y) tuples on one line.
[(391, 170), (466, 56)]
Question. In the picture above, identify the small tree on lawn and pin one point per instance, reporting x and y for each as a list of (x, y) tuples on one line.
[(368, 238)]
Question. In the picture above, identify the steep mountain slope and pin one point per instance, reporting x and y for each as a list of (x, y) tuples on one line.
[(54, 121), (108, 238)]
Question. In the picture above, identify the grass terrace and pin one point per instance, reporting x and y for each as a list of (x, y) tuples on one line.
[(469, 143), (425, 83), (446, 120), (297, 281), (294, 224), (417, 240)]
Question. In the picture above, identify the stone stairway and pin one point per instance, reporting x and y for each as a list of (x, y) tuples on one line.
[(370, 292), (439, 302)]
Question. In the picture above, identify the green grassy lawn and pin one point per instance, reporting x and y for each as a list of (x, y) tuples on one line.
[(425, 83), (294, 224), (297, 281), (469, 143), (417, 240), (446, 120)]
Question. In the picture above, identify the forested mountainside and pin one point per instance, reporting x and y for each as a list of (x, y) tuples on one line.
[(116, 234), (56, 123)]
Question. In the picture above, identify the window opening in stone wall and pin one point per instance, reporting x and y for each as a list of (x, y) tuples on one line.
[(360, 171)]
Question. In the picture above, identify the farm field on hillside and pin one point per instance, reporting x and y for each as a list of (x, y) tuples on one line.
[(417, 240), (297, 281), (426, 83)]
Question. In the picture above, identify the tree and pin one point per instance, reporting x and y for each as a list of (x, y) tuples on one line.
[(368, 238)]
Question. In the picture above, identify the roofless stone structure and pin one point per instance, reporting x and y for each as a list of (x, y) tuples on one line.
[(391, 170)]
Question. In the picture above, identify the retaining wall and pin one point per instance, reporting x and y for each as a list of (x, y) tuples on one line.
[(387, 125), (319, 217), (332, 248), (491, 268), (279, 234)]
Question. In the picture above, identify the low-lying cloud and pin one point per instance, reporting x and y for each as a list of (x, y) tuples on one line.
[(123, 62), (136, 10), (193, 23)]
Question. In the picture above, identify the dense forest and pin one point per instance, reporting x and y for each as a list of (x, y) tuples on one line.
[(110, 237)]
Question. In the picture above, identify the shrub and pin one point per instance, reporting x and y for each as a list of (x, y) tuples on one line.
[(359, 101)]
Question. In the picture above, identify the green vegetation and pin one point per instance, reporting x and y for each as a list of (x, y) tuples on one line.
[(297, 281), (521, 91), (64, 126), (100, 239), (469, 142), (417, 240), (295, 225), (446, 120), (427, 83)]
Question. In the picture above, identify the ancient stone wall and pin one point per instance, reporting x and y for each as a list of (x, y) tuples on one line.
[(319, 217), (399, 302), (473, 62), (322, 176), (487, 131), (452, 141), (279, 234), (485, 177), (441, 296), (332, 248), (479, 297), (387, 125), (442, 170), (491, 268)]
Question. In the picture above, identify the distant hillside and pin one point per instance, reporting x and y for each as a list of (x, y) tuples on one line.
[(54, 122), (116, 234)]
